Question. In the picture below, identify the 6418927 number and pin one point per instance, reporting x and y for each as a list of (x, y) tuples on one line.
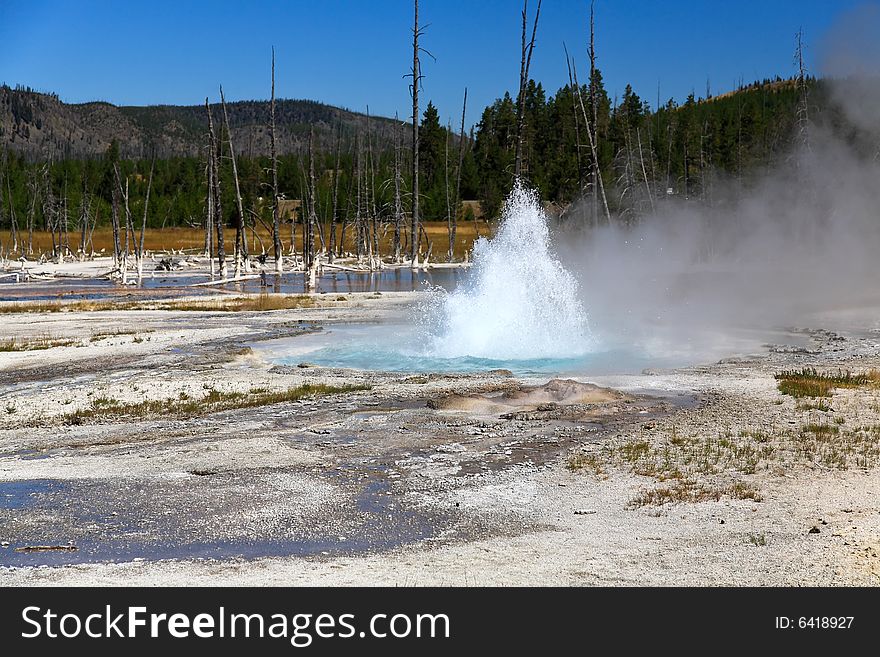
[(814, 622)]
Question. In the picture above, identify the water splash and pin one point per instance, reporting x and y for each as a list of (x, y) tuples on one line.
[(518, 303)]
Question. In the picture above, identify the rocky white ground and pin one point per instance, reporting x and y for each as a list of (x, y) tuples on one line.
[(395, 485)]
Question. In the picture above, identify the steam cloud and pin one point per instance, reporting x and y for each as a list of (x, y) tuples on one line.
[(799, 243)]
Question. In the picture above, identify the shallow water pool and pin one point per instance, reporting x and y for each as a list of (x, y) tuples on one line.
[(402, 347)]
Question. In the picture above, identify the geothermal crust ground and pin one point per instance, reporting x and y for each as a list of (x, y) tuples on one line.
[(699, 475)]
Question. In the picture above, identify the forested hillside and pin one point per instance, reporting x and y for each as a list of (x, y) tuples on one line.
[(57, 160), (642, 153), (42, 127)]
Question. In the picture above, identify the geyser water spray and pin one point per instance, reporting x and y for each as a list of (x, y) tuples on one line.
[(519, 302)]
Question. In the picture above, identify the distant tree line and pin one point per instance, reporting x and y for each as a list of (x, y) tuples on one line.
[(644, 154)]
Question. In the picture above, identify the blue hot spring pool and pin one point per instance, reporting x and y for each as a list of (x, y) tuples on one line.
[(404, 347), (518, 309)]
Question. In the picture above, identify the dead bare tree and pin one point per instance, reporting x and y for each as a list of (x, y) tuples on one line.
[(123, 191), (398, 204), (461, 145), (209, 213), (276, 210), (373, 226), (803, 108), (525, 64), (84, 211), (13, 222), (644, 169), (310, 261), (346, 218), (593, 150), (33, 188), (593, 128), (214, 166), (331, 251), (449, 219), (416, 82), (241, 252), (50, 210), (139, 253), (65, 216), (577, 127), (114, 220), (90, 240), (358, 218)]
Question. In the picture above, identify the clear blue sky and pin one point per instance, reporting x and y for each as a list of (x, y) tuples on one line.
[(354, 53)]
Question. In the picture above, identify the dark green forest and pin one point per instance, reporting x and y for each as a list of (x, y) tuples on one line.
[(644, 155)]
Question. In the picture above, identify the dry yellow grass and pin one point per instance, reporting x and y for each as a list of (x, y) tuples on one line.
[(226, 304), (34, 344), (106, 409), (192, 239)]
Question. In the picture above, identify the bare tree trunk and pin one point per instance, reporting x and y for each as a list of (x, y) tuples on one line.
[(428, 243), (803, 113), (209, 215), (593, 128), (702, 162), (129, 230), (593, 150), (644, 170), (358, 218), (461, 144), (304, 210), (140, 249), (346, 218), (124, 192), (331, 250), (90, 242), (525, 63), (241, 252), (309, 234), (398, 205), (114, 220), (276, 210), (32, 213), (214, 163), (64, 233), (448, 199), (416, 81), (83, 223), (686, 137), (209, 208), (375, 257), (13, 222), (577, 127), (49, 209)]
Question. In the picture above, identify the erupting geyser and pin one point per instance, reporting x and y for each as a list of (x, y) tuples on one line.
[(518, 302)]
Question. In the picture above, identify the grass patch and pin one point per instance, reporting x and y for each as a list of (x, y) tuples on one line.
[(833, 447), (688, 490), (105, 409), (241, 304), (588, 462), (34, 344), (821, 429), (115, 334), (232, 304), (70, 306), (809, 382), (683, 456), (818, 405)]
